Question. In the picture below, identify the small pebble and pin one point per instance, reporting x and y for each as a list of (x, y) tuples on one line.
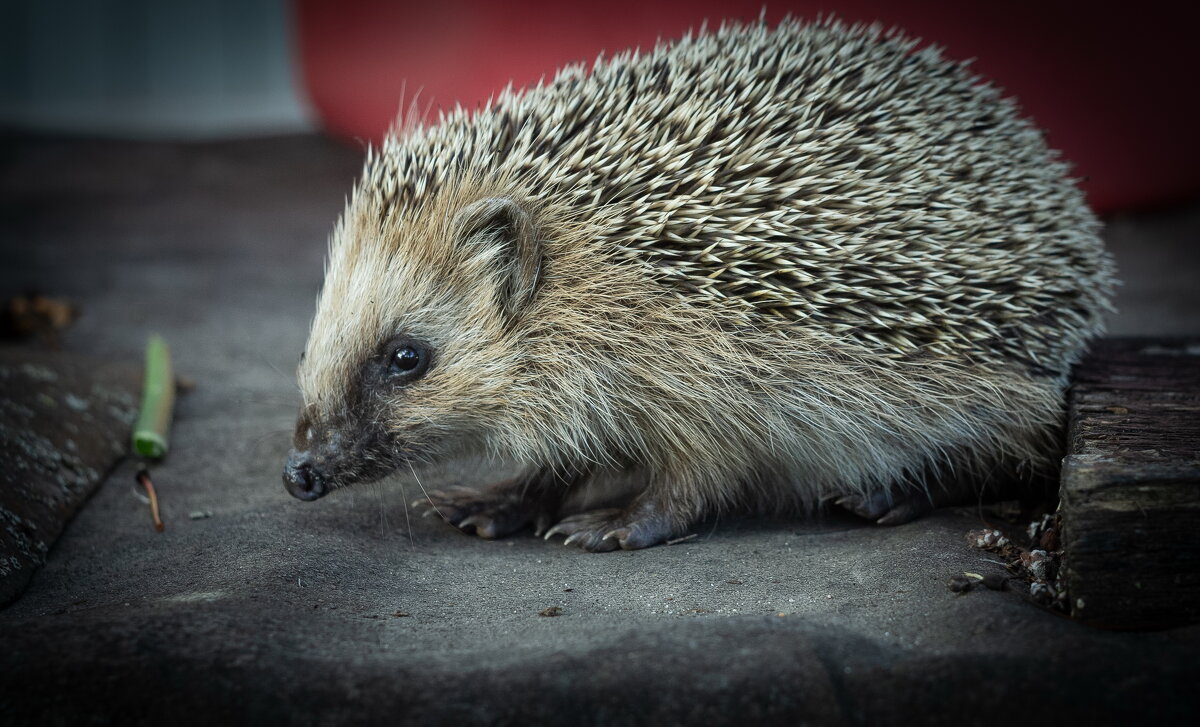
[(960, 583), (200, 514)]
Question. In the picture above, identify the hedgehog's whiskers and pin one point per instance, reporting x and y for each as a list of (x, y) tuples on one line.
[(407, 522), (290, 379), (424, 491)]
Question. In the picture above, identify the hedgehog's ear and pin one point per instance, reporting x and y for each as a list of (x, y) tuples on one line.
[(504, 229)]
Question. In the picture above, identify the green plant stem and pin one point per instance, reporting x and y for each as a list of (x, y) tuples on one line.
[(158, 401)]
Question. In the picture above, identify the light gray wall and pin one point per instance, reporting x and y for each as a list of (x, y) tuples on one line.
[(150, 69)]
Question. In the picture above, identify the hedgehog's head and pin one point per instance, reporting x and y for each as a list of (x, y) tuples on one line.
[(415, 346)]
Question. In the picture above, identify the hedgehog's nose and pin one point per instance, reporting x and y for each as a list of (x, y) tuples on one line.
[(301, 477)]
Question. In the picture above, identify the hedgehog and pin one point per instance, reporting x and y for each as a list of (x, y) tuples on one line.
[(755, 269)]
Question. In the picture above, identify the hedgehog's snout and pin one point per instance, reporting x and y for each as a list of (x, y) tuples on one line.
[(302, 478), (305, 473), (332, 452)]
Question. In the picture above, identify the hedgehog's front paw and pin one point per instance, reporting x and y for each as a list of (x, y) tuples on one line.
[(491, 513), (887, 509), (603, 530)]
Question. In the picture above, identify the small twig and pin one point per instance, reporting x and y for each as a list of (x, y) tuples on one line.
[(143, 477)]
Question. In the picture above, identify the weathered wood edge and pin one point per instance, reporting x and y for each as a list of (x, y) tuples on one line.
[(1130, 488)]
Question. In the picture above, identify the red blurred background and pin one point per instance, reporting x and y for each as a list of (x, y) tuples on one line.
[(1115, 89)]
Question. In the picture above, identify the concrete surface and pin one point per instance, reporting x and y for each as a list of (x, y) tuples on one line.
[(265, 609)]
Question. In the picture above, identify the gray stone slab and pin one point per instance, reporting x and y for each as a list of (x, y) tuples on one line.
[(64, 422), (273, 610)]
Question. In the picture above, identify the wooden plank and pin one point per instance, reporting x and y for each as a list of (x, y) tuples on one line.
[(1130, 490)]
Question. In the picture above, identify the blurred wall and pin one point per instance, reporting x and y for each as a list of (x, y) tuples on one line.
[(149, 69), (1114, 85)]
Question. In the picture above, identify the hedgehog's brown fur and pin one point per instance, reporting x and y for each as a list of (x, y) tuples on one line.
[(755, 267)]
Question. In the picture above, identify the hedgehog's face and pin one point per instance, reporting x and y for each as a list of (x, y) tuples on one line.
[(413, 351)]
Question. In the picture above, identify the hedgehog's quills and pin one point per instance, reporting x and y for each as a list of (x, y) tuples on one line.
[(753, 269)]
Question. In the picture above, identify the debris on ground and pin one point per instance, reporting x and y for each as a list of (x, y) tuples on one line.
[(33, 314), (1034, 567), (143, 478), (551, 611), (966, 581)]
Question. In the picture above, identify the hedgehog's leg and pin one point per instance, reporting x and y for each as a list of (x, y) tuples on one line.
[(649, 519), (1004, 480), (499, 509), (888, 508)]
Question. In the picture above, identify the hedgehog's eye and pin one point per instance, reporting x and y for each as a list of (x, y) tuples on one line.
[(406, 359), (407, 362)]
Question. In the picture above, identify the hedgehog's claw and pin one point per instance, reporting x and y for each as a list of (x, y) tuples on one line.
[(604, 530), (887, 508), (542, 523), (584, 529), (587, 540), (485, 527), (491, 513)]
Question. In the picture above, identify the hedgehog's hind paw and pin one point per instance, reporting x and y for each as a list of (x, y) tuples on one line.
[(490, 513), (887, 509), (604, 530)]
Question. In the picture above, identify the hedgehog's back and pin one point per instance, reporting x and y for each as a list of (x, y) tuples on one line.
[(818, 175)]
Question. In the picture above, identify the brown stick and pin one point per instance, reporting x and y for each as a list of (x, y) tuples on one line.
[(143, 477)]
